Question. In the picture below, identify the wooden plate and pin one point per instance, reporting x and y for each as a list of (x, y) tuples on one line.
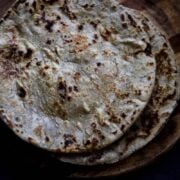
[(166, 13)]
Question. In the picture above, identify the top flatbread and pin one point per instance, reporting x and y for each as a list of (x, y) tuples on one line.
[(75, 74), (155, 115)]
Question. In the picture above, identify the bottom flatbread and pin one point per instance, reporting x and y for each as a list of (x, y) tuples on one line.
[(153, 119)]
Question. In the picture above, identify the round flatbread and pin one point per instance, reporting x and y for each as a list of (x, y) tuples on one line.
[(75, 74), (154, 117)]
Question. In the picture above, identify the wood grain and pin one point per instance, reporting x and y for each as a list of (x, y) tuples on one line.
[(4, 5), (166, 13)]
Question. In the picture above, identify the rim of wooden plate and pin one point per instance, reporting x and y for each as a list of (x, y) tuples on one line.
[(167, 138), (170, 134)]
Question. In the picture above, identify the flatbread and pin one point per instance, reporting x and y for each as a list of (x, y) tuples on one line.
[(75, 74), (161, 105)]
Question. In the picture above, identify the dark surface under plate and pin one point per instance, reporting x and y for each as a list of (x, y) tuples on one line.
[(19, 160)]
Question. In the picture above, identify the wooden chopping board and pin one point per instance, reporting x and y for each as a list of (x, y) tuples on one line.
[(167, 14)]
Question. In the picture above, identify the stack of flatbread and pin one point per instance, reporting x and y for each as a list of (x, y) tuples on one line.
[(91, 81)]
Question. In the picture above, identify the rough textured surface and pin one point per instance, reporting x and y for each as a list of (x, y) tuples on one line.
[(75, 74), (161, 105), (154, 117), (147, 158), (16, 153), (166, 13)]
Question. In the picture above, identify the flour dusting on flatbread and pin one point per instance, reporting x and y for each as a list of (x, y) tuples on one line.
[(75, 74)]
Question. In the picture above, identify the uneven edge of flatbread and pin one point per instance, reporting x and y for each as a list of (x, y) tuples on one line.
[(9, 9), (138, 138), (4, 17), (160, 29)]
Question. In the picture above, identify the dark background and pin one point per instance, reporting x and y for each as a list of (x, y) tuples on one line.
[(19, 160)]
